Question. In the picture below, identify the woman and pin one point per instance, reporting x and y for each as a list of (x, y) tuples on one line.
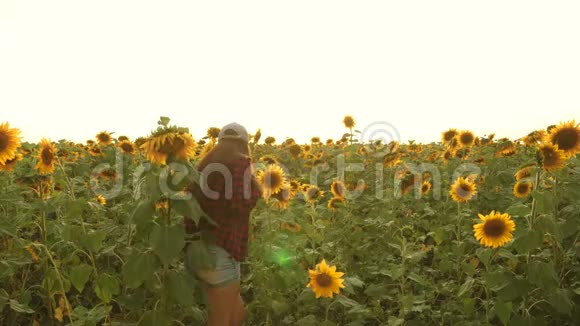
[(227, 193)]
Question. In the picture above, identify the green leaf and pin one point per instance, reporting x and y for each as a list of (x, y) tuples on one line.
[(518, 210), (279, 307), (143, 213), (495, 281), (155, 318), (529, 241), (163, 121), (503, 311), (543, 275), (394, 321), (168, 241), (309, 320), (93, 240), (19, 307), (189, 208), (198, 257), (468, 306), (75, 208), (465, 287), (106, 287), (346, 302), (4, 297), (138, 268), (179, 289), (79, 276), (560, 300), (354, 281), (544, 200), (484, 255)]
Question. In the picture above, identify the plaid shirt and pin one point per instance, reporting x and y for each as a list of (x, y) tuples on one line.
[(228, 206)]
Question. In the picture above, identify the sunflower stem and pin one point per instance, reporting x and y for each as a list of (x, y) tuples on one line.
[(535, 201)]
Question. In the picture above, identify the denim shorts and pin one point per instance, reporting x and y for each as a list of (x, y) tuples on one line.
[(227, 269)]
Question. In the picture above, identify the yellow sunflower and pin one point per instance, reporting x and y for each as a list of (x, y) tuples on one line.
[(392, 159), (495, 230), (101, 200), (425, 187), (463, 190), (104, 138), (567, 136), (164, 144), (295, 150), (127, 147), (213, 132), (312, 194), (335, 203), (325, 280), (524, 173), (46, 157), (9, 142), (9, 164), (272, 179), (465, 138), (269, 140), (95, 150), (338, 189), (552, 157), (292, 227), (522, 188), (283, 197), (534, 137), (448, 135), (268, 159), (348, 122), (123, 138)]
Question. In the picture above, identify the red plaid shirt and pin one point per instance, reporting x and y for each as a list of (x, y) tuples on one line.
[(229, 207)]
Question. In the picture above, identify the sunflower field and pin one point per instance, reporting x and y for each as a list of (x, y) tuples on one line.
[(468, 230)]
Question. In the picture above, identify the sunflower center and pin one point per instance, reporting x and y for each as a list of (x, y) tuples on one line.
[(494, 228), (127, 148), (323, 280), (466, 139), (104, 138), (549, 156), (46, 155), (523, 188), (4, 140), (464, 190), (566, 139), (272, 180)]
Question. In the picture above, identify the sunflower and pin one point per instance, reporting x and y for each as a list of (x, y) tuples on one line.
[(312, 194), (101, 200), (465, 138), (325, 280), (272, 179), (462, 190), (104, 138), (425, 187), (9, 164), (534, 137), (127, 147), (567, 136), (294, 186), (522, 188), (292, 227), (283, 197), (552, 157), (90, 142), (335, 203), (506, 150), (329, 142), (338, 189), (96, 151), (162, 204), (348, 122), (496, 229), (32, 253), (268, 159), (295, 150), (448, 135), (392, 159), (213, 132), (447, 155), (123, 138), (407, 182), (524, 173), (9, 142), (269, 140), (46, 157), (168, 143)]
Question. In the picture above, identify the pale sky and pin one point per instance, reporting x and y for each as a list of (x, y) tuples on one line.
[(70, 69)]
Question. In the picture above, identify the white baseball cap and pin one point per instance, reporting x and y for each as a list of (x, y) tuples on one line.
[(234, 131)]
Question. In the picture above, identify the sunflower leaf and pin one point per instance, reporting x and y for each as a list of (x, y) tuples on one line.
[(528, 241)]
